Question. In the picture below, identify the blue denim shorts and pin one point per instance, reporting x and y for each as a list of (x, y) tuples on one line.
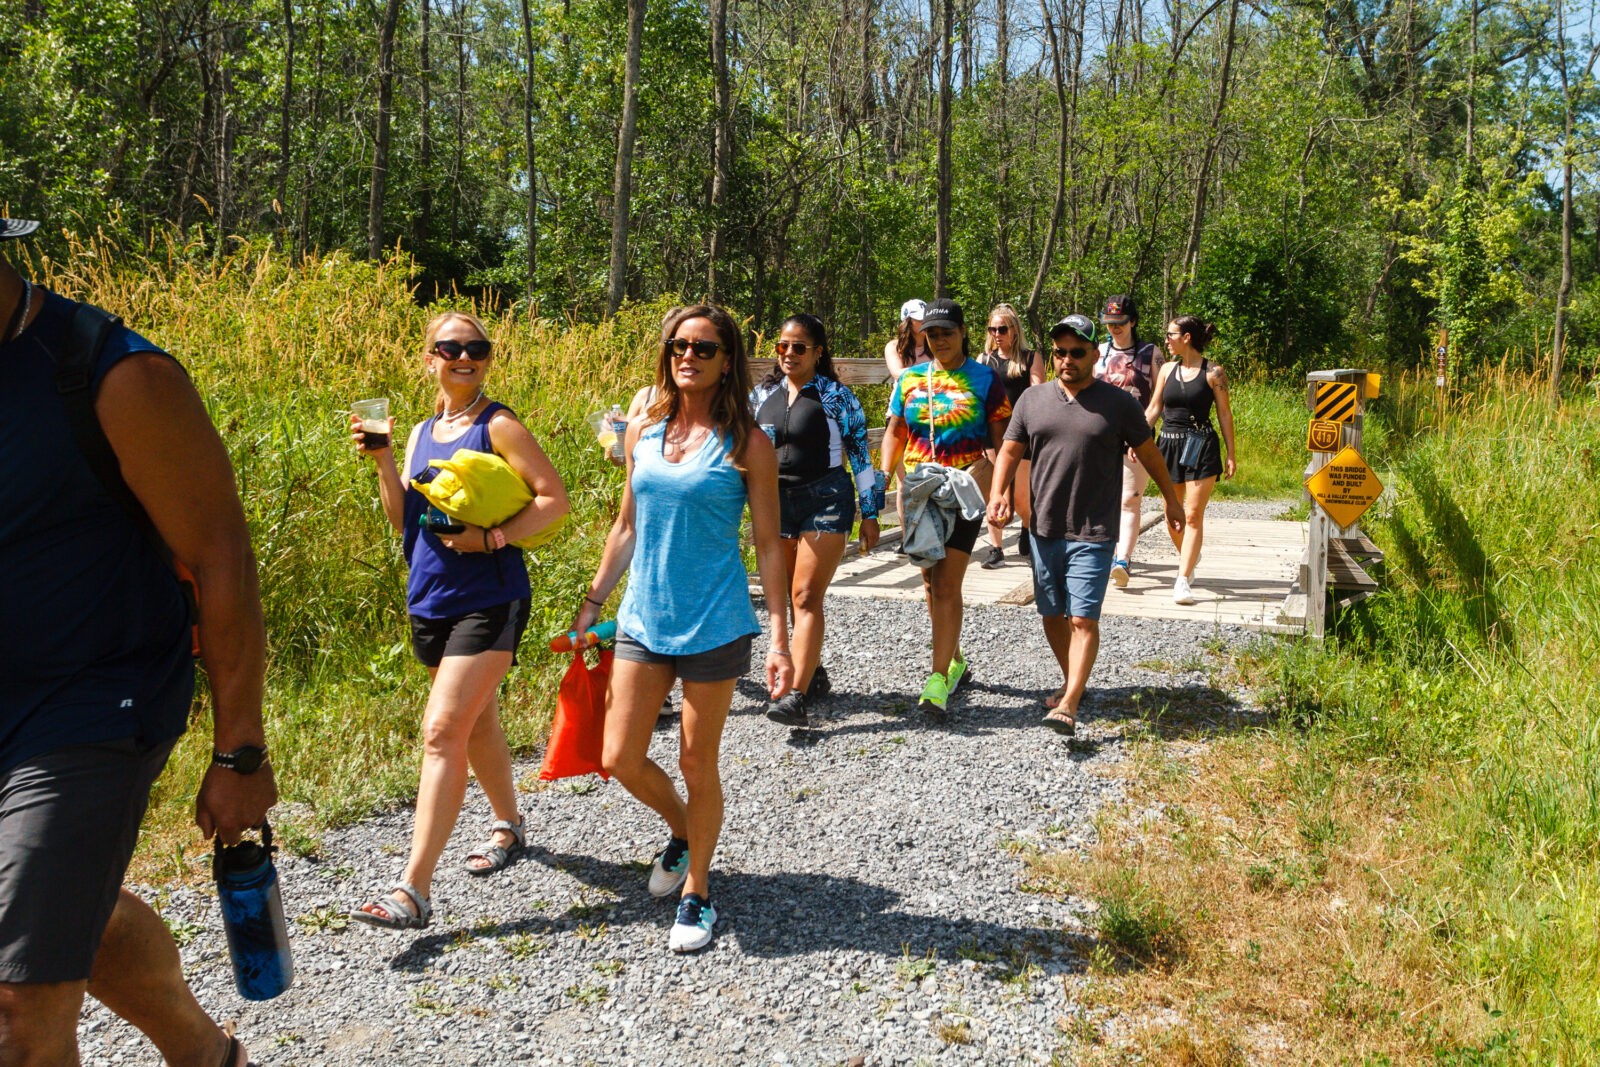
[(827, 505), (1070, 577)]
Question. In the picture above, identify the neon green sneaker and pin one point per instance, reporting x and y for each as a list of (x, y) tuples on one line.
[(935, 697), (958, 671)]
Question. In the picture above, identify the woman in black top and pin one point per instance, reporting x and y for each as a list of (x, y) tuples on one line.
[(1186, 389), (1006, 352)]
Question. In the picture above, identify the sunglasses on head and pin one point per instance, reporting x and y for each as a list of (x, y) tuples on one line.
[(682, 346), (798, 348), (1072, 353), (454, 350)]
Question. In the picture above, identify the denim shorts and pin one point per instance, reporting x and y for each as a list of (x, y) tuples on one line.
[(827, 505), (718, 664), (1070, 577), (69, 819)]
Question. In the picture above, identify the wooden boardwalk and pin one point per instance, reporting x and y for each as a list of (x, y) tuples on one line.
[(1246, 568)]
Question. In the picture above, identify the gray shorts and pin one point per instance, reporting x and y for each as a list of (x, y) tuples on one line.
[(718, 664), (68, 822)]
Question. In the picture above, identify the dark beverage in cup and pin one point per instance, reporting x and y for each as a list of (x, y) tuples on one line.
[(375, 435), (374, 416)]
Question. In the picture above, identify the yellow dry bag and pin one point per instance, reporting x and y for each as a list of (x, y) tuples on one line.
[(481, 488)]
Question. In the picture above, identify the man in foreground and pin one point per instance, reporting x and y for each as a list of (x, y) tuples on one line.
[(97, 675), (1076, 430)]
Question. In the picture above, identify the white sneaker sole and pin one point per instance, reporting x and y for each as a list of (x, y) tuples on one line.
[(1119, 577), (1180, 597), (690, 941)]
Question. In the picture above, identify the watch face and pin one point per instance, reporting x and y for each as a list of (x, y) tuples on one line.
[(246, 759)]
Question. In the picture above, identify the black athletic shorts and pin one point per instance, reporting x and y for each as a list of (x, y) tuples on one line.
[(69, 819), (496, 629)]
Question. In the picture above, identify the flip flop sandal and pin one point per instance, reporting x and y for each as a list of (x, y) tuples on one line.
[(395, 912), (497, 856), (1054, 699), (1061, 724)]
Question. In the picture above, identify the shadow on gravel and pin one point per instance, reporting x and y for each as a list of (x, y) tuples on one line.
[(1170, 712), (774, 916)]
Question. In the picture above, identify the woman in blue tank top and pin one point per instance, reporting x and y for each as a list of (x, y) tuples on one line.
[(468, 597), (695, 460)]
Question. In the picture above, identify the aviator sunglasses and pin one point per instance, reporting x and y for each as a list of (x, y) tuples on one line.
[(454, 350), (682, 346), (799, 348)]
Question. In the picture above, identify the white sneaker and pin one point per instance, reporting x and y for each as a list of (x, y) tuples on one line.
[(693, 928), (671, 868), (1181, 593)]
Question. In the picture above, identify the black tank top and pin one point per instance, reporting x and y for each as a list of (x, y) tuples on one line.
[(1187, 405), (800, 432)]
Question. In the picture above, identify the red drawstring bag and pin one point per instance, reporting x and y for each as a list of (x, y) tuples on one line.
[(578, 731)]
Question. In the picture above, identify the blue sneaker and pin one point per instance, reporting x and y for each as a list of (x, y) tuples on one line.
[(692, 929), (1119, 573), (671, 868)]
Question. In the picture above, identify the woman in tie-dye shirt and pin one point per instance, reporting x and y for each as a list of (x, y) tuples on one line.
[(951, 410)]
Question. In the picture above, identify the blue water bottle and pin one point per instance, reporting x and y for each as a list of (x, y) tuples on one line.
[(252, 916), (880, 485)]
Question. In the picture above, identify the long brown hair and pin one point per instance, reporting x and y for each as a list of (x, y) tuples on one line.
[(431, 334), (730, 407)]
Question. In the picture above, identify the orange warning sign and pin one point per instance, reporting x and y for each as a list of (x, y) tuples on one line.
[(1345, 488), (1324, 436)]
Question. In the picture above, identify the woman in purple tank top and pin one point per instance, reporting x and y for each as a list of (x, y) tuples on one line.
[(468, 598)]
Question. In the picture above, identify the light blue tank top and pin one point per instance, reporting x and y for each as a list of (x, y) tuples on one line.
[(687, 588)]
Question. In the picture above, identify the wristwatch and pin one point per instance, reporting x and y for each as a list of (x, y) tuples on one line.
[(246, 759)]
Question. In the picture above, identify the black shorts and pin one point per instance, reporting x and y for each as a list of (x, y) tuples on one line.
[(1208, 464), (718, 664), (69, 819), (496, 629), (963, 534)]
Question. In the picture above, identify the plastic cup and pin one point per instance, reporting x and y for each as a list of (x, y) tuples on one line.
[(374, 416), (604, 431)]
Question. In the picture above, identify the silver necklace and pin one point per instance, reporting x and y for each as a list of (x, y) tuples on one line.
[(448, 414), (27, 306)]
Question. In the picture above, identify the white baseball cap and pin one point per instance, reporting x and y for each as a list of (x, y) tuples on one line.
[(913, 309)]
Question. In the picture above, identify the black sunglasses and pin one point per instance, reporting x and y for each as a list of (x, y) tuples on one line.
[(454, 350), (682, 346), (1001, 330), (1072, 353)]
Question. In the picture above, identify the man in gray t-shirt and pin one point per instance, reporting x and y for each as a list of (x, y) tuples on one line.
[(1076, 430)]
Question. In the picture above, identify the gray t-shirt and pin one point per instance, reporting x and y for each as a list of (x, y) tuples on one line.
[(1077, 444)]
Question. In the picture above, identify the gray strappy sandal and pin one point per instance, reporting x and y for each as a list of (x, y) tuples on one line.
[(497, 856), (412, 911)]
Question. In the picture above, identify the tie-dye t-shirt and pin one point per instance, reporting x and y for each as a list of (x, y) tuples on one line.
[(965, 401)]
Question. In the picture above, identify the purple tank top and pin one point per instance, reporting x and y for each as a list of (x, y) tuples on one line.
[(444, 583)]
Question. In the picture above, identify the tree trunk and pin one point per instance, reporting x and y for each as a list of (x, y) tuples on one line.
[(941, 240), (285, 124), (380, 140), (622, 181), (1032, 310), (532, 222), (1002, 207), (722, 152), (423, 225), (1197, 218), (1558, 349)]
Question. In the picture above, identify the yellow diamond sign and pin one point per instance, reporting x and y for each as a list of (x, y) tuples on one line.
[(1345, 488)]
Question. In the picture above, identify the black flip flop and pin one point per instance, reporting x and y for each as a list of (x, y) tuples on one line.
[(1064, 727)]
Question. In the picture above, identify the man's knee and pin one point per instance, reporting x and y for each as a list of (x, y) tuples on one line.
[(1083, 626), (39, 1022)]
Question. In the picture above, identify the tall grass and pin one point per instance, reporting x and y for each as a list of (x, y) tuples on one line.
[(1475, 677)]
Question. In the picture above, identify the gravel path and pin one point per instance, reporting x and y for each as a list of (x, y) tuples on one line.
[(873, 899)]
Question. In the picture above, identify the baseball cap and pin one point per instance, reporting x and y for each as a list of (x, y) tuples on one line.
[(10, 228), (1078, 324), (1118, 310), (912, 309), (945, 313)]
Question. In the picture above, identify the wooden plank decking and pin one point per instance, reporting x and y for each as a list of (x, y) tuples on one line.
[(1246, 569)]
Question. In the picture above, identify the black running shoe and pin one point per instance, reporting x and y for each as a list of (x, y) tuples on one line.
[(995, 559), (821, 685), (789, 709)]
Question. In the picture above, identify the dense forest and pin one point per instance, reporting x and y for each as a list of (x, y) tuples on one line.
[(1328, 181)]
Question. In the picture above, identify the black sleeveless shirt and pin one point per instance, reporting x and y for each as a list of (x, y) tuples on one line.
[(1187, 405)]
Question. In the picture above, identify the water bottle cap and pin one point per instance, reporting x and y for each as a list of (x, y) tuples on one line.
[(243, 858)]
